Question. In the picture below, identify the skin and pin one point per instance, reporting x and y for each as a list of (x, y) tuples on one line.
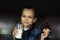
[(45, 34), (27, 19)]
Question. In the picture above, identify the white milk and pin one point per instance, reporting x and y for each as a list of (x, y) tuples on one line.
[(20, 31), (19, 35)]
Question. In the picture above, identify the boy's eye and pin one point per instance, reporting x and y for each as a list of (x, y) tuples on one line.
[(23, 16), (29, 16)]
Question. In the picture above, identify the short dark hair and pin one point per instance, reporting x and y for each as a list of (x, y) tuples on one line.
[(30, 7)]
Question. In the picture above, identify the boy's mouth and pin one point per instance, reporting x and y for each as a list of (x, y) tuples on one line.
[(26, 22)]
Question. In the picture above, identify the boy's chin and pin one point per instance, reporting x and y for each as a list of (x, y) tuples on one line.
[(27, 26)]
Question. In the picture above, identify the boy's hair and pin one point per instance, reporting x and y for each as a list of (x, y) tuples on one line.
[(30, 7)]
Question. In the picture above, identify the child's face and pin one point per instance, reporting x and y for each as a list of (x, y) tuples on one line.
[(27, 17)]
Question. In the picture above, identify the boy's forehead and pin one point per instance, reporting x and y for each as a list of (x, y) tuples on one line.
[(28, 10), (31, 11)]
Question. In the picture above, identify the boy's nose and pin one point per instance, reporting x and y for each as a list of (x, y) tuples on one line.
[(26, 19)]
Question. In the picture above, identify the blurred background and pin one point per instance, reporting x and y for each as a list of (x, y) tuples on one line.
[(48, 12)]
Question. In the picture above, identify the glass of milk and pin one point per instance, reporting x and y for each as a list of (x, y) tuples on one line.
[(20, 31)]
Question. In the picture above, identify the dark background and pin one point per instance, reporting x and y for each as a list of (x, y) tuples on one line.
[(48, 10)]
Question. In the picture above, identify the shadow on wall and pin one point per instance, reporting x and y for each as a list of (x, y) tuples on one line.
[(7, 21)]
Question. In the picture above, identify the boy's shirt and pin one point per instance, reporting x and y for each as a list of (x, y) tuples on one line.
[(31, 34)]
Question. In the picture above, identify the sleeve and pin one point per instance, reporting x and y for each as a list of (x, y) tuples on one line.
[(35, 34), (11, 37), (37, 37)]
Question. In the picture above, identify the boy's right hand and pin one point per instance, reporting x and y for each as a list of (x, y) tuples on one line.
[(15, 32)]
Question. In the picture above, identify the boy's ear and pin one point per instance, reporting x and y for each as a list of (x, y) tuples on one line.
[(35, 19)]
